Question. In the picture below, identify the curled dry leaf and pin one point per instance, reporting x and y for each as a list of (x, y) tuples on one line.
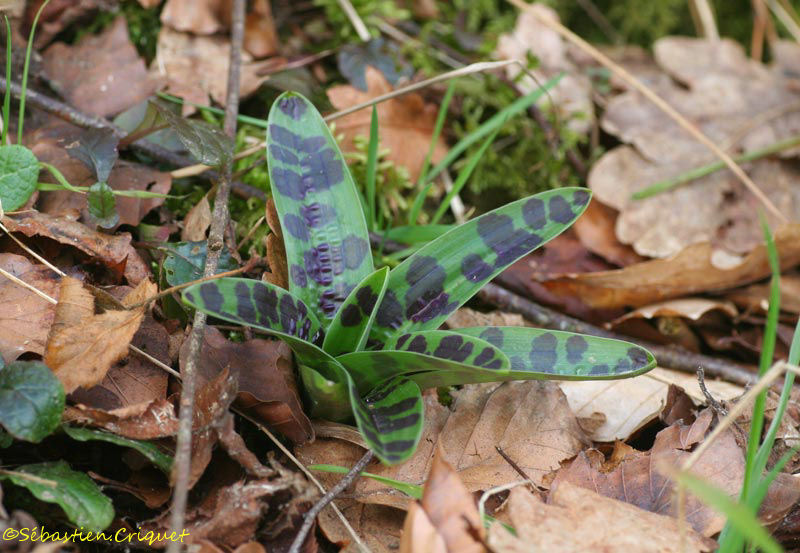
[(446, 519), (572, 95), (102, 75), (82, 346), (406, 123), (595, 230), (756, 296), (621, 407), (267, 390), (531, 421), (197, 221), (113, 251), (735, 102), (686, 308), (575, 520), (156, 419), (276, 250), (25, 317), (689, 272), (639, 477), (201, 17)]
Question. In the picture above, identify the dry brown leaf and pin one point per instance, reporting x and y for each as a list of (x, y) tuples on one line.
[(25, 317), (736, 102), (406, 123), (260, 36), (465, 317), (755, 297), (55, 17), (267, 389), (101, 75), (197, 221), (531, 421), (595, 230), (113, 251), (639, 478), (572, 95), (276, 250), (686, 308), (447, 515), (82, 346), (624, 406), (139, 422), (201, 17), (575, 520), (196, 67), (689, 272)]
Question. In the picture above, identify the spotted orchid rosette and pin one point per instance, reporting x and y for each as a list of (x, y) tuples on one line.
[(365, 340)]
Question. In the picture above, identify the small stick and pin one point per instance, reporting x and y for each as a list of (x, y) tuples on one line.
[(514, 465), (659, 102), (323, 501), (715, 405), (355, 19)]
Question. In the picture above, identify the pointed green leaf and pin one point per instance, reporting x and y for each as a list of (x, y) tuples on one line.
[(31, 400), (82, 501), (556, 355), (324, 231), (442, 352), (350, 327), (148, 449), (19, 170), (389, 418), (425, 288), (328, 399), (263, 306), (102, 205)]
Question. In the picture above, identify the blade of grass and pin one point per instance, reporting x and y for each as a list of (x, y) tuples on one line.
[(411, 490), (422, 190), (256, 122), (7, 98), (516, 107), (705, 170), (464, 175), (736, 513), (372, 168), (25, 68)]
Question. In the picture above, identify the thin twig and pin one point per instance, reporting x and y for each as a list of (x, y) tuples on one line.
[(323, 501), (715, 405), (684, 123), (219, 221), (355, 20)]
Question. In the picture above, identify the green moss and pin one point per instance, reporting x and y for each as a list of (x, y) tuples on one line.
[(143, 26), (370, 11)]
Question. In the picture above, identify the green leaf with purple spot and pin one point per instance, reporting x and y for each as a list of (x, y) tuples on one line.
[(324, 230), (439, 351), (262, 306), (556, 355), (350, 327), (441, 276)]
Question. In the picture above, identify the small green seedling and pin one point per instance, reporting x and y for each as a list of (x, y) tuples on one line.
[(365, 340)]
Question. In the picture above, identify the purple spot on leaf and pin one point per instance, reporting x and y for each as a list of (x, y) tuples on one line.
[(298, 276), (576, 347), (211, 297), (402, 340), (244, 304), (266, 303), (581, 198), (474, 268), (418, 344), (288, 183), (296, 227), (453, 347), (560, 211), (316, 214), (638, 357), (351, 315), (543, 353), (533, 213), (283, 155), (494, 336), (390, 312), (600, 369), (366, 300), (292, 106), (354, 249), (312, 144)]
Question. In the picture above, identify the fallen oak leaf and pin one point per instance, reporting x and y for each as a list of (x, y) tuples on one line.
[(156, 419), (82, 346)]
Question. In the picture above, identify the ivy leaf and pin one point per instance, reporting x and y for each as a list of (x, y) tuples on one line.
[(77, 494), (206, 142), (148, 449), (442, 275), (19, 171), (354, 59), (184, 261), (102, 205), (97, 149), (31, 400), (324, 230)]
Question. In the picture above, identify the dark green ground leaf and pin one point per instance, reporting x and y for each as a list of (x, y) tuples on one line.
[(442, 275), (148, 449), (206, 142), (354, 59), (97, 149), (19, 170), (184, 261), (324, 230), (102, 205), (31, 400), (350, 327), (77, 494)]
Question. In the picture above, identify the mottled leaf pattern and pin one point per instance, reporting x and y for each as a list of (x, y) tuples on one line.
[(324, 230), (265, 307), (453, 346), (442, 275), (350, 327), (389, 417), (556, 355)]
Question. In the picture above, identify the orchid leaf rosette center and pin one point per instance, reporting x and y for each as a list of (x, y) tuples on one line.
[(366, 341)]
